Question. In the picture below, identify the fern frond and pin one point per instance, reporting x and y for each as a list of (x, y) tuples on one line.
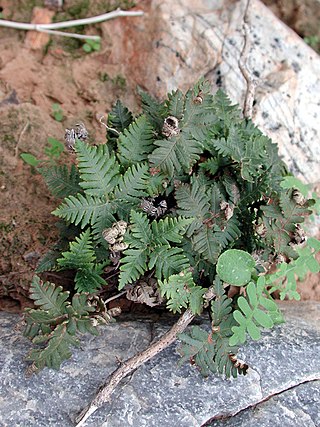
[(132, 267), (230, 232), (99, 171), (169, 230), (60, 181), (119, 117), (176, 154), (82, 210), (133, 184), (167, 261), (48, 297), (80, 254), (48, 262), (206, 243), (140, 228), (175, 104), (136, 142), (155, 111), (89, 279), (193, 202), (181, 291), (57, 349)]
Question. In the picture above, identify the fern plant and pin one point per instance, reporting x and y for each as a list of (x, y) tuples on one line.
[(186, 200)]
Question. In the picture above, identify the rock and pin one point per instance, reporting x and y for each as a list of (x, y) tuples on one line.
[(174, 44), (283, 368)]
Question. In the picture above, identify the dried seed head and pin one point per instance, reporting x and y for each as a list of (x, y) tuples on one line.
[(199, 98), (70, 138), (120, 227), (299, 235), (170, 127), (280, 259), (81, 131), (110, 235), (261, 230), (119, 247), (223, 205), (298, 197), (78, 132)]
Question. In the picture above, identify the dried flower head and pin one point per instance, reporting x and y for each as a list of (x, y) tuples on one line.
[(170, 127), (78, 132)]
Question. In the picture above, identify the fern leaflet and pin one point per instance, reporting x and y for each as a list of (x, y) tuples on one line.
[(136, 142), (99, 171), (60, 181)]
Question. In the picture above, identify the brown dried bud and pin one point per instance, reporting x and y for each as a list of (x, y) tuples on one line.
[(261, 229), (199, 98), (119, 247), (110, 235), (170, 127), (298, 197)]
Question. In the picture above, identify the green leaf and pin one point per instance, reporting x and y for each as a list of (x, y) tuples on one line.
[(132, 267), (56, 351), (167, 261), (83, 210), (99, 171), (80, 254), (235, 267), (289, 182), (133, 184), (181, 291), (169, 229), (136, 142), (48, 297), (119, 117), (60, 181), (30, 159), (88, 280)]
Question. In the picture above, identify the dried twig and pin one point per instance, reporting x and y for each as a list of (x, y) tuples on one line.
[(24, 129), (139, 359), (251, 82), (66, 24), (130, 365)]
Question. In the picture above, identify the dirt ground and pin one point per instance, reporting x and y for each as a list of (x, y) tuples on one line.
[(31, 81)]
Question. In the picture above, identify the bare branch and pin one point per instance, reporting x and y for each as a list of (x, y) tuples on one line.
[(66, 24), (251, 82), (130, 365)]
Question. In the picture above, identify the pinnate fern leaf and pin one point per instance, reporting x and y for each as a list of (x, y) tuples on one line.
[(119, 117), (48, 297), (133, 184), (82, 210), (80, 254), (181, 292), (169, 229), (133, 265), (99, 171), (167, 261), (136, 142), (60, 181), (89, 279), (56, 350), (193, 202), (176, 154)]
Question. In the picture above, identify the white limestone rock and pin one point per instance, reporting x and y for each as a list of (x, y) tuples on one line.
[(176, 43)]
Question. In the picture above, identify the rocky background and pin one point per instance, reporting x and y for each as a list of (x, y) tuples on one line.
[(172, 45)]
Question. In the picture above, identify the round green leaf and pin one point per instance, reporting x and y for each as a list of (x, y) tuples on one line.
[(235, 267)]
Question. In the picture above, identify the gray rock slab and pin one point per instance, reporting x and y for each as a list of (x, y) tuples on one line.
[(176, 43), (160, 393)]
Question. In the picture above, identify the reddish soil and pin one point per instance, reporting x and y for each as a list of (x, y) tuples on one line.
[(83, 85)]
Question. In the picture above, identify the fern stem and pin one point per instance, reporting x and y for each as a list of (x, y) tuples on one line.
[(132, 364)]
